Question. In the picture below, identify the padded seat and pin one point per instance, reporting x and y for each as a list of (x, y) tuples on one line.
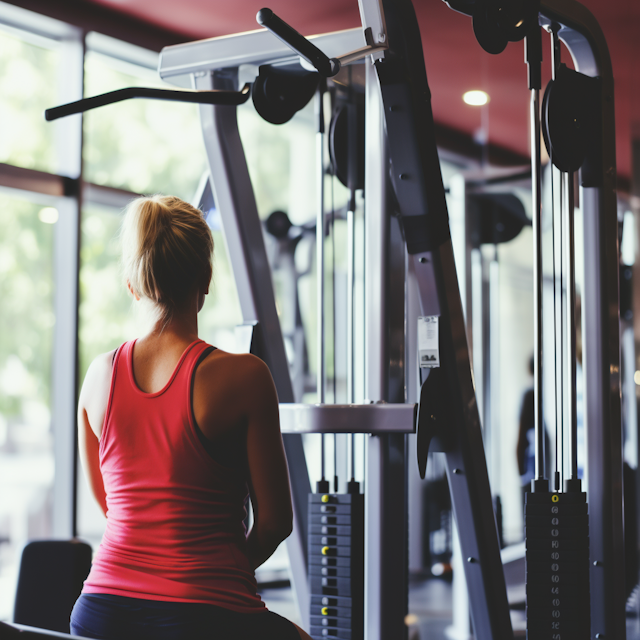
[(50, 580)]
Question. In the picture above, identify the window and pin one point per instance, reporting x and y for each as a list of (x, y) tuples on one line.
[(144, 146), (26, 336), (26, 90)]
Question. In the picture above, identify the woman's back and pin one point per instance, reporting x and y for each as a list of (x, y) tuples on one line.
[(175, 516), (172, 437)]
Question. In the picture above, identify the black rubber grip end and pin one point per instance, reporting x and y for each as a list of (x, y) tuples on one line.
[(263, 16)]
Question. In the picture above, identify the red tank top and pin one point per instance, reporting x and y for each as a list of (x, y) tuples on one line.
[(175, 527)]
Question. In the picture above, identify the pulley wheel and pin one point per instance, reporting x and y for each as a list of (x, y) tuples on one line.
[(487, 30), (568, 119), (513, 18), (339, 145), (278, 94), (278, 224)]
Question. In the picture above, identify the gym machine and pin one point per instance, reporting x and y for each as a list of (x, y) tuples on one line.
[(385, 608), (564, 554), (412, 251)]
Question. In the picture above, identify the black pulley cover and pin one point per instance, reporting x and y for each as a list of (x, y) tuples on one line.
[(498, 22), (278, 93), (278, 224), (570, 118), (513, 18), (339, 145), (496, 218), (487, 30)]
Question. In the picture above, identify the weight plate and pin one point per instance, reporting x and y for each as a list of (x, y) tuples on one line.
[(555, 498), (548, 555), (546, 542), (555, 508), (557, 533), (557, 520), (570, 579)]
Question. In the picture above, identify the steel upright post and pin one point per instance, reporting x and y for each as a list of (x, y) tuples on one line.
[(320, 220), (533, 55), (537, 279), (571, 319)]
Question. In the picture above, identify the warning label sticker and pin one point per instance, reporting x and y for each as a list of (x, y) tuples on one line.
[(428, 344)]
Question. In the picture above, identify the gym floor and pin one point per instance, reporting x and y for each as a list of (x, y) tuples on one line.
[(429, 608), (430, 611)]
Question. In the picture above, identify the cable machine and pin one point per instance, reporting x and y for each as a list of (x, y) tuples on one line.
[(576, 119), (402, 174)]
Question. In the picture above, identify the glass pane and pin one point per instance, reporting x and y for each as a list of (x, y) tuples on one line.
[(27, 87), (105, 322), (26, 334), (108, 317), (145, 146), (221, 312), (282, 163)]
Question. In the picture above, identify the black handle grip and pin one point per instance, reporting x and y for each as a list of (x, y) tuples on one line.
[(327, 67), (198, 97)]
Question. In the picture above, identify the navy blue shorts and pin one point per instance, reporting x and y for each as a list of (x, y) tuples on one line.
[(119, 618)]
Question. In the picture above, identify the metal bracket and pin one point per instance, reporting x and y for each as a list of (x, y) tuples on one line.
[(433, 415)]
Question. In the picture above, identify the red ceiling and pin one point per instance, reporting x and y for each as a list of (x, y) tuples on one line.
[(455, 62)]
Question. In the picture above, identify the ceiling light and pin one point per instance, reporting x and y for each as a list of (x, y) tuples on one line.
[(476, 98), (48, 215)]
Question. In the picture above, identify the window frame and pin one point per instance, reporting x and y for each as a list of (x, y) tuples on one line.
[(67, 192)]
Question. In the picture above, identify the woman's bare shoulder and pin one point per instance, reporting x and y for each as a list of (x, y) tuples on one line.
[(94, 395), (232, 380), (228, 389), (234, 366), (101, 366)]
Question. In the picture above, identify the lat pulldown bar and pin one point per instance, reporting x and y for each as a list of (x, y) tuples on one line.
[(173, 95)]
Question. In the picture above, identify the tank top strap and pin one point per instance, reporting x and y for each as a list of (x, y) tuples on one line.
[(183, 390), (191, 358), (123, 355), (119, 375)]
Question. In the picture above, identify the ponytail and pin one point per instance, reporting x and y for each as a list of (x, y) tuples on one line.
[(167, 250)]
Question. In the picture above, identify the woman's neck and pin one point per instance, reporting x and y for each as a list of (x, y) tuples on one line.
[(183, 326)]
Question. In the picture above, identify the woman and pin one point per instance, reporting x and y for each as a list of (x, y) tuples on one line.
[(173, 436)]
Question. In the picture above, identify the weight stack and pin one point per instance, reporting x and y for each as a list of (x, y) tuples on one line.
[(336, 565), (557, 566)]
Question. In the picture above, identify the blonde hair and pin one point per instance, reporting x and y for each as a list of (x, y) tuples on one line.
[(167, 251)]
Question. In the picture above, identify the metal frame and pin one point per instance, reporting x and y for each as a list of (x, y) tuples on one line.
[(69, 138), (250, 48), (375, 419), (245, 246), (435, 272), (583, 36), (421, 199), (408, 141), (386, 513)]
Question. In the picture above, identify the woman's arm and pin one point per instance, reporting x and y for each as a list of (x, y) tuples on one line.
[(268, 472), (92, 407)]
